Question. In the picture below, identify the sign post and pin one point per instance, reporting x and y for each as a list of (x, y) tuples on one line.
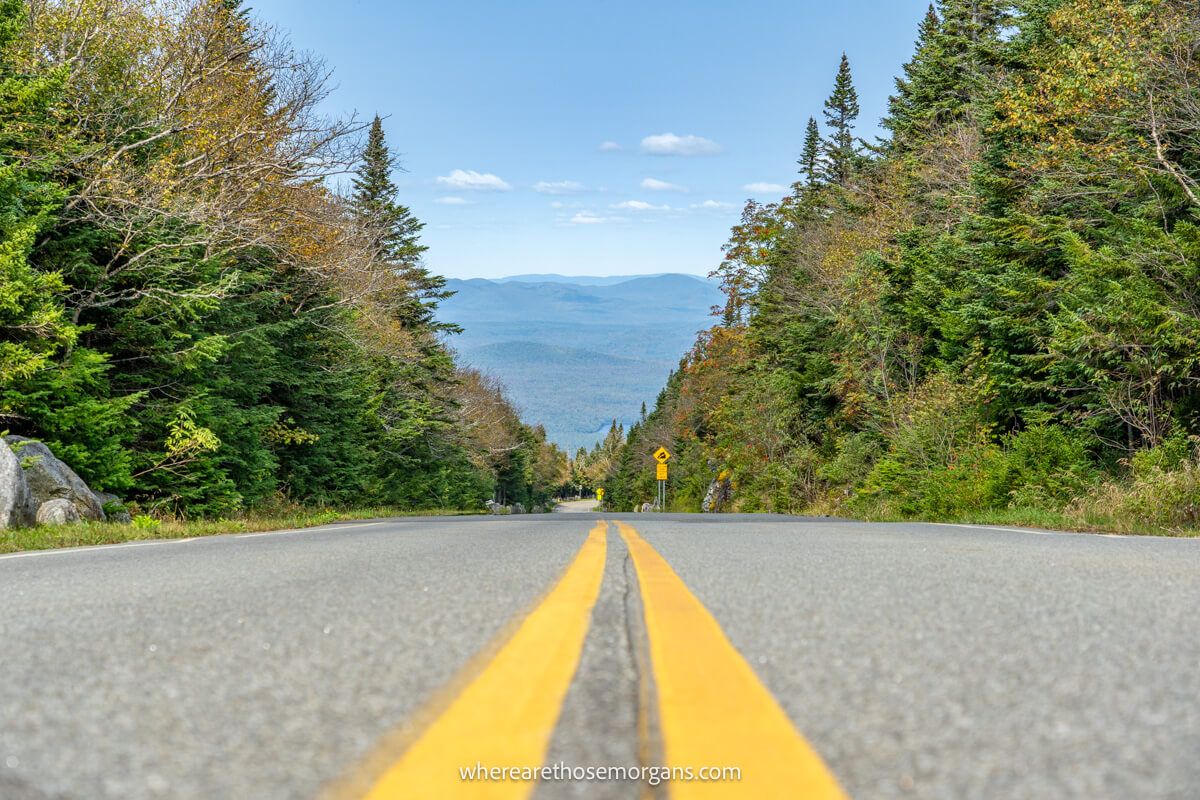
[(662, 455), (600, 495)]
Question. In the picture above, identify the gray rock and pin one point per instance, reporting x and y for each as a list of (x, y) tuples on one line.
[(114, 508), (647, 508), (719, 493), (51, 479), (517, 508), (58, 511), (17, 509)]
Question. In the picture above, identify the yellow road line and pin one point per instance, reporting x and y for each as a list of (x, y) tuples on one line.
[(713, 710), (507, 713)]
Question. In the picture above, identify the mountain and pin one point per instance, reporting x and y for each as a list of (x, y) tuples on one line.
[(573, 355), (581, 280)]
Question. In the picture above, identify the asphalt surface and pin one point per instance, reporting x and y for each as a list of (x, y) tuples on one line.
[(919, 660)]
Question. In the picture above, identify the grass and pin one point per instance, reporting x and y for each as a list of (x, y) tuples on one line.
[(1042, 519), (48, 537)]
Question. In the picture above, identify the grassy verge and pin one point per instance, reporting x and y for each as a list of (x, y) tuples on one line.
[(46, 537), (1044, 519)]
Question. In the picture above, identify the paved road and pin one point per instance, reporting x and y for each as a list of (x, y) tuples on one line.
[(575, 506), (920, 661)]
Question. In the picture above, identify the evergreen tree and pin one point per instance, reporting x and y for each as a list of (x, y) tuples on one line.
[(810, 156), (396, 232), (955, 56), (841, 110)]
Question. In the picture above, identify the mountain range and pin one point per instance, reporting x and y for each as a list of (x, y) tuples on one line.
[(578, 352)]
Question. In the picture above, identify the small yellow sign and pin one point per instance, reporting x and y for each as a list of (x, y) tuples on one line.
[(661, 472), (662, 455), (600, 495)]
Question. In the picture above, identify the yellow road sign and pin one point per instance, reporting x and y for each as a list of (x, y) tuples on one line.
[(599, 494), (662, 455), (661, 472)]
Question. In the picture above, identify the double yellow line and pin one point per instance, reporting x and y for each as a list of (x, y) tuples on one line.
[(712, 708)]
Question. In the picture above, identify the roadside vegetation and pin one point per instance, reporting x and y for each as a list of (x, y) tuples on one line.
[(992, 315), (212, 301), (47, 537)]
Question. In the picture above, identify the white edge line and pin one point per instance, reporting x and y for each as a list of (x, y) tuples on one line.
[(1030, 530), (62, 551)]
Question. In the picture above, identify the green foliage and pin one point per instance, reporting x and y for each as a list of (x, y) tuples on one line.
[(189, 315), (992, 314), (142, 522), (840, 152), (1049, 466)]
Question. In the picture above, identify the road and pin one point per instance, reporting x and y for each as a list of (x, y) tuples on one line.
[(373, 659)]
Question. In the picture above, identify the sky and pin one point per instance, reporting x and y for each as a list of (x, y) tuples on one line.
[(588, 138)]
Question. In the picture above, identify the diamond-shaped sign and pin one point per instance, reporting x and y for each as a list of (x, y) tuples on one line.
[(662, 455)]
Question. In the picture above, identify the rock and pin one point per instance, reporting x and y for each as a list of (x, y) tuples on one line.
[(17, 509), (51, 479), (517, 508), (647, 508), (114, 508), (719, 493), (58, 511)]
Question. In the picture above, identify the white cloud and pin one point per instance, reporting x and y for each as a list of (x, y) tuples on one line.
[(714, 204), (655, 185), (668, 144), (640, 205), (559, 187), (452, 201), (610, 147), (556, 204), (589, 218), (470, 179), (765, 188)]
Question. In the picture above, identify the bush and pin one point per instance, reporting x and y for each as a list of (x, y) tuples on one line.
[(940, 461), (143, 522), (1049, 467)]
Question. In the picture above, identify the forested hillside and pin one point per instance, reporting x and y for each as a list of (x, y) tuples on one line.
[(991, 314), (192, 313)]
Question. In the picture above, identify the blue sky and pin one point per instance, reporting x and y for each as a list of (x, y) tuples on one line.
[(594, 138)]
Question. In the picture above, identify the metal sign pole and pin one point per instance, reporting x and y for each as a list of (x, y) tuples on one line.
[(662, 455)]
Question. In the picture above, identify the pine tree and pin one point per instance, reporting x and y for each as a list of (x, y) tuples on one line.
[(841, 111), (396, 232), (810, 156), (955, 55)]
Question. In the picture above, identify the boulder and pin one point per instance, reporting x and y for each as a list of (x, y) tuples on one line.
[(17, 509), (647, 508), (58, 511), (719, 493), (114, 508), (517, 508), (51, 479)]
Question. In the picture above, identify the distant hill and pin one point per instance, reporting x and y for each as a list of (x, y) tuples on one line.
[(581, 280), (577, 355)]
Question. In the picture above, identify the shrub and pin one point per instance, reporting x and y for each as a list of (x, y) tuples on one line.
[(143, 522), (1049, 466)]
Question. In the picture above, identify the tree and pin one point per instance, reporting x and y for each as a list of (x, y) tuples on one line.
[(810, 155), (957, 53), (841, 110), (394, 232)]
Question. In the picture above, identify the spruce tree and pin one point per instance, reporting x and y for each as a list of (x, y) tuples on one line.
[(841, 111), (956, 55), (395, 231), (810, 156)]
